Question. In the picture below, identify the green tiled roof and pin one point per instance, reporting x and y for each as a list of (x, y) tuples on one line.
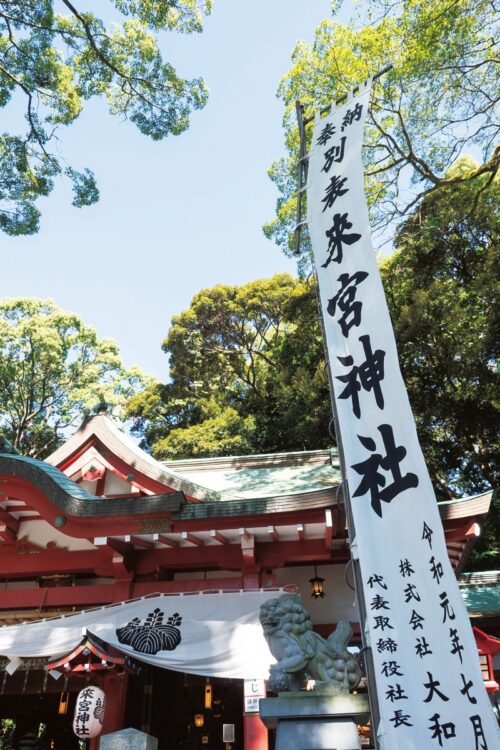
[(484, 599), (74, 500), (286, 480), (254, 477), (65, 483), (257, 506), (481, 592)]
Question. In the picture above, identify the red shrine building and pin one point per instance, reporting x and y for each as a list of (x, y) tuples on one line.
[(101, 522)]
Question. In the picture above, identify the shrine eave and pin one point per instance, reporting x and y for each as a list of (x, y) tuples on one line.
[(206, 480), (103, 430), (476, 505), (67, 497), (259, 505), (73, 500)]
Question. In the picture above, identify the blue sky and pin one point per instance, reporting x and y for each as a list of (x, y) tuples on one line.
[(177, 215)]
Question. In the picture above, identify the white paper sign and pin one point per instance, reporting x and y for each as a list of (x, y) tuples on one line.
[(429, 684), (254, 690)]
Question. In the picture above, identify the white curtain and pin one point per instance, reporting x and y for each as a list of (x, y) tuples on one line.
[(213, 634)]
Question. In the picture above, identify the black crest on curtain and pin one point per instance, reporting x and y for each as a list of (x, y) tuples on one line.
[(153, 634)]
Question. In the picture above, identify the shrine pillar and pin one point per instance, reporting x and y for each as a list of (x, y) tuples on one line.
[(115, 690), (254, 732)]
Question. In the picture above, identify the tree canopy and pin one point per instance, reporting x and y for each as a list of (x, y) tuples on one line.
[(247, 375), (442, 289), (437, 103), (52, 368), (247, 363), (52, 62)]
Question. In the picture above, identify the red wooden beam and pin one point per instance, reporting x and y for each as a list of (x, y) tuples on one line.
[(81, 527), (247, 549), (165, 540), (9, 526), (7, 534), (271, 530), (256, 520), (63, 660), (92, 596), (186, 536), (176, 587), (118, 545), (49, 562), (61, 596), (467, 531), (328, 528), (212, 556), (277, 554), (229, 556), (144, 543), (218, 537), (10, 520)]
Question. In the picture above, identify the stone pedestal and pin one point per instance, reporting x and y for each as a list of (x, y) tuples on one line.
[(128, 739), (315, 721)]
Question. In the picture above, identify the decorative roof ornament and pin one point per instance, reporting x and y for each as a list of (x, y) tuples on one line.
[(7, 447), (104, 408)]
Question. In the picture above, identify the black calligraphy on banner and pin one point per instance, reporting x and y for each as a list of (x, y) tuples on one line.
[(378, 580), (395, 693), (416, 621), (335, 154), (376, 483), (378, 602), (387, 644), (479, 737), (345, 300), (352, 115), (456, 646), (410, 614), (367, 376), (427, 533), (422, 647), (401, 719), (325, 135), (390, 668), (338, 236), (411, 592), (433, 687), (334, 190), (441, 730), (406, 568), (436, 569), (382, 622), (467, 685), (448, 613)]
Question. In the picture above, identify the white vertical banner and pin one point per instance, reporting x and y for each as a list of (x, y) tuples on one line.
[(428, 679)]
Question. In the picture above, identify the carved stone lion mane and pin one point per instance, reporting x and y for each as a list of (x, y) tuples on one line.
[(301, 653)]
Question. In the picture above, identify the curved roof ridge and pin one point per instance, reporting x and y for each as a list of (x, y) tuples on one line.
[(325, 454), (65, 483), (73, 499), (465, 499), (105, 429)]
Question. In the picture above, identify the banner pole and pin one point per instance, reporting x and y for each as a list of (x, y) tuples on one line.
[(367, 651)]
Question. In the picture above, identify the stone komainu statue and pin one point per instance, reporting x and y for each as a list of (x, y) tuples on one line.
[(301, 653)]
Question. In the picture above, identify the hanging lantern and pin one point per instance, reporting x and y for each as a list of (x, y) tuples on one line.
[(199, 720), (89, 712), (317, 591), (208, 694), (63, 704)]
